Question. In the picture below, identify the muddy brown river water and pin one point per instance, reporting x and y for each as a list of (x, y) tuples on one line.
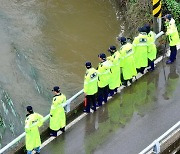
[(45, 43)]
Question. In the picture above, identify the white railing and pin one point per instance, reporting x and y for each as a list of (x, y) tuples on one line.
[(66, 105), (155, 145)]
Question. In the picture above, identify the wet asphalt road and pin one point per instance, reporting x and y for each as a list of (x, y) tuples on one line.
[(130, 121)]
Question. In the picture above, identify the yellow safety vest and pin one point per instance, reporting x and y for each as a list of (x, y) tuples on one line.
[(115, 71), (91, 81), (140, 48), (58, 117), (172, 33), (127, 62), (32, 122), (104, 73)]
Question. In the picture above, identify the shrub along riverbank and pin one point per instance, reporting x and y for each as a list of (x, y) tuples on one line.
[(138, 12)]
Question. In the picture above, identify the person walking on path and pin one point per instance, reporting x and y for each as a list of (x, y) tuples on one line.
[(57, 113), (32, 123)]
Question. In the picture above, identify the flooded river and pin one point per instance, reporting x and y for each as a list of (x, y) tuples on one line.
[(45, 43)]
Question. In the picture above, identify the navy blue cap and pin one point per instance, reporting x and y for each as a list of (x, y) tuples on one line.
[(102, 56), (140, 29), (143, 29), (168, 16), (29, 108), (112, 48), (123, 39), (56, 89), (148, 27), (88, 64)]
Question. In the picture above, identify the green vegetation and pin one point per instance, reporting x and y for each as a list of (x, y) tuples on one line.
[(138, 12), (174, 8), (135, 13)]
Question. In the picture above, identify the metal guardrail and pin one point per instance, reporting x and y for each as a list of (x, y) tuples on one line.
[(155, 145), (66, 105)]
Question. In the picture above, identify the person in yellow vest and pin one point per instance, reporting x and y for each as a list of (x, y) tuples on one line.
[(32, 123), (140, 48), (57, 113), (152, 50), (103, 78), (90, 87), (173, 36), (115, 81), (127, 62)]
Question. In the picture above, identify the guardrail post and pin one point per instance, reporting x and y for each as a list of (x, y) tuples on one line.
[(156, 148), (67, 107)]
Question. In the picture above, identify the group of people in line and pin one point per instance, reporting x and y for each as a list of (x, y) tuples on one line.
[(123, 64), (117, 69)]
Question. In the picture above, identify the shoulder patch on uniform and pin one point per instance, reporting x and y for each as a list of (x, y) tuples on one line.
[(54, 99)]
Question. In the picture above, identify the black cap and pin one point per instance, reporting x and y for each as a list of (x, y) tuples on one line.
[(168, 16), (56, 89), (88, 64), (29, 108), (102, 56), (142, 29), (112, 48), (123, 39), (148, 28)]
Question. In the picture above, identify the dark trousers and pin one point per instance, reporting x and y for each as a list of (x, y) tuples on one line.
[(151, 63), (53, 132), (111, 92), (141, 70), (126, 82), (91, 101), (102, 95), (173, 53)]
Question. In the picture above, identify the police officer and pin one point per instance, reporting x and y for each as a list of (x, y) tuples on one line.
[(152, 50), (127, 61), (115, 70), (57, 113), (140, 48), (173, 36), (90, 87), (32, 122), (103, 78)]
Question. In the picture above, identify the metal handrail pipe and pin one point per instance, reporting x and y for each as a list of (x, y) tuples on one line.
[(161, 138), (44, 119), (12, 142), (159, 34)]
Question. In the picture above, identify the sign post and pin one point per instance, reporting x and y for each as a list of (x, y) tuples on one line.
[(157, 13)]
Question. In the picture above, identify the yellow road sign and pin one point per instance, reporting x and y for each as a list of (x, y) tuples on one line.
[(157, 8)]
